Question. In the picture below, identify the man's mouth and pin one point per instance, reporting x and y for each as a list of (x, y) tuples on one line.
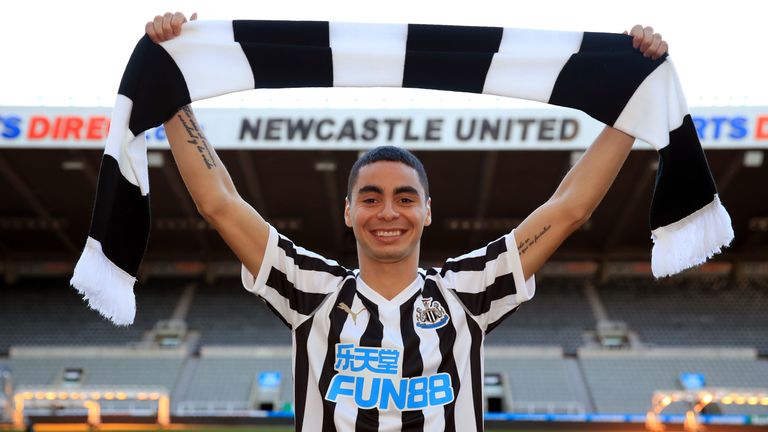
[(388, 233)]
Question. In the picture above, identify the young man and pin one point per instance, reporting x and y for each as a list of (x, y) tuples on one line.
[(390, 346)]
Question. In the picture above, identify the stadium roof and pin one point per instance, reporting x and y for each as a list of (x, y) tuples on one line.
[(477, 195)]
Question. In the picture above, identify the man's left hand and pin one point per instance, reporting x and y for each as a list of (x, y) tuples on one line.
[(649, 43)]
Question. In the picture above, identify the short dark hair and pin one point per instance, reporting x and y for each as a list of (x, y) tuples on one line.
[(388, 154)]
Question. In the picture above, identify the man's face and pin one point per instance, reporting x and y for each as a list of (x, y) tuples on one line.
[(387, 211)]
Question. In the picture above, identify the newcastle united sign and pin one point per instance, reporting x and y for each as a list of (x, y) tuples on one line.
[(350, 129)]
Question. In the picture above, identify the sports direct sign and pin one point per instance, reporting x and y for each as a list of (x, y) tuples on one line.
[(335, 129)]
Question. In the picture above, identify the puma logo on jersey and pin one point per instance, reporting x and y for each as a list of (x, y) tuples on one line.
[(348, 310)]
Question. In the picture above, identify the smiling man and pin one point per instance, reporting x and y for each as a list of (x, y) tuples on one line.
[(390, 346)]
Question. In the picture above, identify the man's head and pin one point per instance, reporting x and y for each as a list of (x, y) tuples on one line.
[(388, 205), (388, 154)]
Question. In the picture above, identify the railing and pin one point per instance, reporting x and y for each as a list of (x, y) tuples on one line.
[(225, 408), (546, 407), (5, 410)]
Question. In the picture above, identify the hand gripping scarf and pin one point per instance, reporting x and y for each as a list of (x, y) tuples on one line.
[(598, 73)]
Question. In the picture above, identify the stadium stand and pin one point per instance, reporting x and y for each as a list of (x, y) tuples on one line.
[(691, 311), (6, 392), (49, 312), (624, 382), (557, 315), (100, 365), (226, 314), (542, 353), (108, 369), (538, 380), (226, 379)]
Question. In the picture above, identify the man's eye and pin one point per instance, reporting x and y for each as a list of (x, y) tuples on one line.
[(406, 200), (369, 200)]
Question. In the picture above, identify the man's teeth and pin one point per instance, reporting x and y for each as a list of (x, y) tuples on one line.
[(388, 233)]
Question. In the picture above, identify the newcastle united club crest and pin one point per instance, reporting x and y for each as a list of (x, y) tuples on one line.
[(432, 315)]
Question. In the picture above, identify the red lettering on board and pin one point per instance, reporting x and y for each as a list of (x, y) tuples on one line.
[(93, 128), (761, 131), (57, 126), (97, 128), (38, 127), (72, 128)]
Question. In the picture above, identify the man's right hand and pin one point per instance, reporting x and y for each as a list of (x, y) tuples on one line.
[(166, 27)]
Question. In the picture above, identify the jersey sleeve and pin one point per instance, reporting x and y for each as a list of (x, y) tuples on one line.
[(292, 280), (489, 281)]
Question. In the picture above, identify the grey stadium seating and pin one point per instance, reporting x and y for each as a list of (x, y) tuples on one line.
[(539, 350), (557, 315), (50, 312), (626, 385), (691, 312), (539, 383), (224, 379), (226, 314), (108, 370)]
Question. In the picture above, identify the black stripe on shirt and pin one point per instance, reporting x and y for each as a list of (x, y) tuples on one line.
[(684, 181), (413, 365), (306, 262), (602, 76), (455, 58), (374, 331), (476, 369), (301, 372), (286, 53), (480, 302), (368, 419), (447, 337), (337, 318), (301, 301), (477, 263), (121, 217)]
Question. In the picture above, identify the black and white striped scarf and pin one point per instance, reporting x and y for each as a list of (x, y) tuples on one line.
[(598, 73)]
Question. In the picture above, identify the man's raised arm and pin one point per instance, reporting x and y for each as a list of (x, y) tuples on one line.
[(585, 185), (205, 176)]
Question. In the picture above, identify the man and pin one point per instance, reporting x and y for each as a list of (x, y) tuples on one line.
[(390, 346)]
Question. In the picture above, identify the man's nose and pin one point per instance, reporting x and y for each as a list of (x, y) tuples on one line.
[(389, 212)]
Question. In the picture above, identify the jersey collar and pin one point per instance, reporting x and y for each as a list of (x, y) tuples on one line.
[(397, 300)]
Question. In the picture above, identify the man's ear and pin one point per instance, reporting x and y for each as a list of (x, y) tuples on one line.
[(428, 220), (347, 217)]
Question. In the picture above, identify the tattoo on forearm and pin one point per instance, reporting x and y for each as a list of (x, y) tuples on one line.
[(524, 245), (196, 138)]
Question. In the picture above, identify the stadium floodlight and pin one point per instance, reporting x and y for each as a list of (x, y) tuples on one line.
[(89, 398), (699, 399)]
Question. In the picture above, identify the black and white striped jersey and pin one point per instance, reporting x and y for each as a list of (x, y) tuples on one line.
[(415, 362)]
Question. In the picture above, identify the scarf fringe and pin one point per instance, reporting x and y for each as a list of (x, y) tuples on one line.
[(107, 288), (691, 241)]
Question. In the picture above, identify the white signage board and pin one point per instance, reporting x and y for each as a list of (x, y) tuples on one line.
[(349, 129)]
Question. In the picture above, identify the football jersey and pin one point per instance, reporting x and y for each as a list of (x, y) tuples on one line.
[(413, 362)]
